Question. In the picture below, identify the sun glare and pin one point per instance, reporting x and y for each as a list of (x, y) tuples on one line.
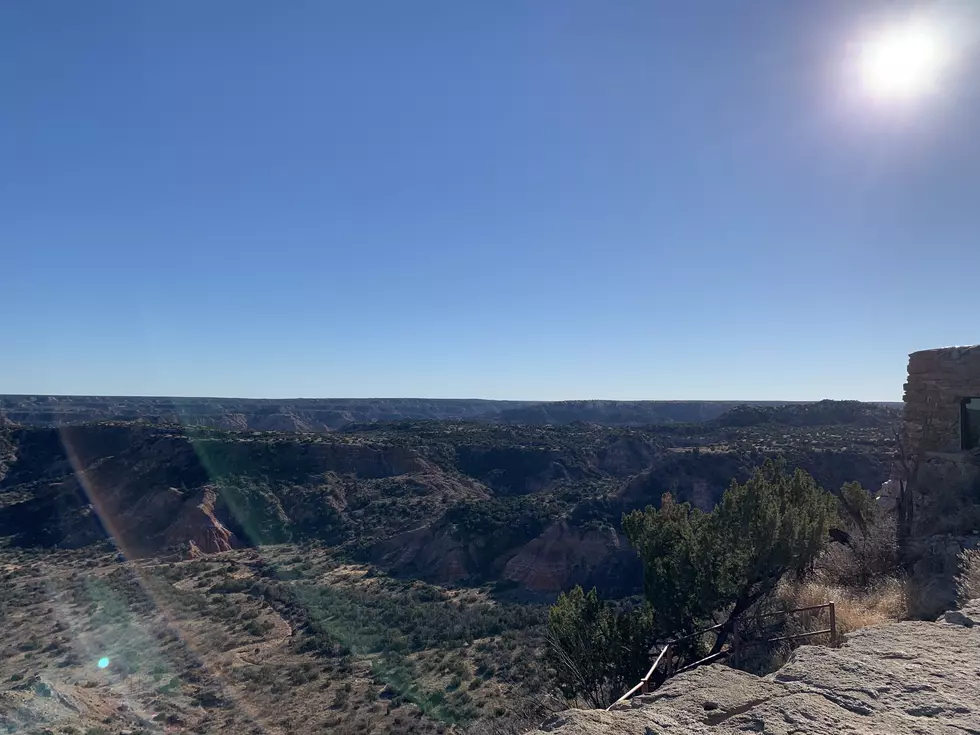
[(904, 61)]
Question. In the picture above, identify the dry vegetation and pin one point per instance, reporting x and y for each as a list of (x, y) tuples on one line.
[(861, 577), (855, 608), (282, 640), (292, 639), (883, 602)]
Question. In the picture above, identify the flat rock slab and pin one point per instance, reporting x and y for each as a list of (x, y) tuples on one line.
[(901, 679)]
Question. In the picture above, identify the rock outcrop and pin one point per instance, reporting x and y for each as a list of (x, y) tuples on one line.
[(197, 525), (902, 679), (430, 552)]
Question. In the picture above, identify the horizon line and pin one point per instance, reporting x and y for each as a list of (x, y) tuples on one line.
[(429, 398)]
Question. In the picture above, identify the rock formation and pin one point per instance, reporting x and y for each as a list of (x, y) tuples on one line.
[(198, 526), (904, 678)]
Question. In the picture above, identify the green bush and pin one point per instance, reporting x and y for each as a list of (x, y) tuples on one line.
[(699, 566), (595, 651)]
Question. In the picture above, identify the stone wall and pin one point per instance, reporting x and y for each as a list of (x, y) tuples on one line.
[(938, 380), (944, 485)]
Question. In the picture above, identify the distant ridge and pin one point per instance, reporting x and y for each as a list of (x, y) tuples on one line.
[(329, 414)]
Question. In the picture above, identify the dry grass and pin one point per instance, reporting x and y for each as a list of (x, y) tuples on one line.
[(968, 580), (883, 602), (855, 608)]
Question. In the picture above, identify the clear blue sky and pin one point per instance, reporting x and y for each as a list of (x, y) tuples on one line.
[(505, 199)]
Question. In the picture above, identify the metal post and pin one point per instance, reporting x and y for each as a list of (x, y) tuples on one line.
[(833, 625), (669, 663)]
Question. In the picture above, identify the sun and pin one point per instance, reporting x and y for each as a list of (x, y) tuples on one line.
[(904, 61)]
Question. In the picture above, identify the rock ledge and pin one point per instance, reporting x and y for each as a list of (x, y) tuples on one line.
[(904, 678)]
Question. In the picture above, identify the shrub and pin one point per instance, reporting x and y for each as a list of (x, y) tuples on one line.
[(868, 550), (595, 651), (697, 565)]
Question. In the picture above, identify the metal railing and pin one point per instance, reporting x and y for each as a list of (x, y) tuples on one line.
[(642, 687), (665, 656)]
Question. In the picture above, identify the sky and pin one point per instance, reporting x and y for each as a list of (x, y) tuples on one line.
[(531, 200)]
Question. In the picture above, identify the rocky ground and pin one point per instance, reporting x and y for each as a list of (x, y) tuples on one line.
[(910, 678)]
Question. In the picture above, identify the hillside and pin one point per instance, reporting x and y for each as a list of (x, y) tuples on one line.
[(304, 415), (820, 413), (280, 640)]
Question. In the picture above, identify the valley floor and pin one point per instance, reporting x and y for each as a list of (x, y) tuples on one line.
[(274, 640)]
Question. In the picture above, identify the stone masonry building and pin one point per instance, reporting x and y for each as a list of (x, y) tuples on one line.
[(942, 400), (941, 441)]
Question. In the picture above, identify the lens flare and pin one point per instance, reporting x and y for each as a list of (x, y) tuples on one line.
[(904, 61), (103, 662)]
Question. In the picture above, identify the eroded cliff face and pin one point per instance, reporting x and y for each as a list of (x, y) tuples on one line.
[(565, 555), (911, 678), (150, 489), (431, 552), (198, 526), (561, 557)]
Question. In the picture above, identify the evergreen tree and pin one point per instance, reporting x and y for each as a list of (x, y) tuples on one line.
[(701, 566), (698, 568), (596, 651)]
